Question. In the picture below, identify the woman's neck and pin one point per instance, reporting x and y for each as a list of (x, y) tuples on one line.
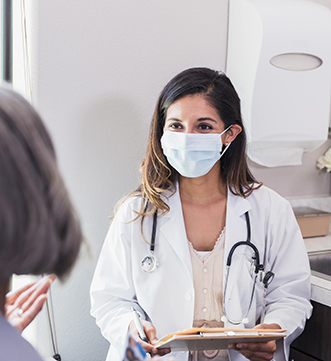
[(205, 189)]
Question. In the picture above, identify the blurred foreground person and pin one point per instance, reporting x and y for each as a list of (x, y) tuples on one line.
[(39, 231)]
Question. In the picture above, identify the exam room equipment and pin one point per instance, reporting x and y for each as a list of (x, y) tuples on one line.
[(282, 75)]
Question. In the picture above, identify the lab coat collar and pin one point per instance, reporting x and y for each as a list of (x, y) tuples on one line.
[(236, 228), (238, 204)]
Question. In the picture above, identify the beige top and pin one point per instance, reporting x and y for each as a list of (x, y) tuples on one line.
[(208, 286)]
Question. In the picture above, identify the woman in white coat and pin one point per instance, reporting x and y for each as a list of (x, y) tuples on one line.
[(197, 190)]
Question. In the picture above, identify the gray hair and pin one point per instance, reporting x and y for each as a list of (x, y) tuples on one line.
[(39, 231)]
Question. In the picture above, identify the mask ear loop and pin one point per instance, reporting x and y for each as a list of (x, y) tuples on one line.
[(225, 149), (228, 144)]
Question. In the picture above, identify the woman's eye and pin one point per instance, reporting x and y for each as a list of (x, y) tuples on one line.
[(175, 126), (205, 127)]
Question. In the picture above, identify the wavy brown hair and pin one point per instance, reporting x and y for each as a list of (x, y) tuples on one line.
[(158, 177)]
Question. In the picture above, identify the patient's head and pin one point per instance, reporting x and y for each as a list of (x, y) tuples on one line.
[(39, 232)]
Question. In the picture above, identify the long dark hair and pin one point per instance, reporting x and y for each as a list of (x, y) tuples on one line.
[(158, 176), (39, 230)]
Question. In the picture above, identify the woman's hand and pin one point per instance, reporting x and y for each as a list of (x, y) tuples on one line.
[(150, 333), (259, 351), (23, 305)]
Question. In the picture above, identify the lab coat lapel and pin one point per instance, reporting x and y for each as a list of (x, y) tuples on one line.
[(173, 229), (236, 229)]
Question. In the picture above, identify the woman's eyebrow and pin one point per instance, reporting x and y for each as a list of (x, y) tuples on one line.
[(199, 120), (175, 119), (204, 119)]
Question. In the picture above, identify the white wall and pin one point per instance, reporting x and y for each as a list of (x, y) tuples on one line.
[(303, 181), (100, 66)]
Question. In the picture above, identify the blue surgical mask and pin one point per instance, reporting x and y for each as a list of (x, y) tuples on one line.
[(192, 155)]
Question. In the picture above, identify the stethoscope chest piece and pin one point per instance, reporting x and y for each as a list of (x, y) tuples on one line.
[(149, 263)]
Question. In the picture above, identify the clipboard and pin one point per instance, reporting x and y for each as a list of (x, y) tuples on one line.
[(197, 339)]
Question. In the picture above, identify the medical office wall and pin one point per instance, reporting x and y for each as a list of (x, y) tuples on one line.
[(97, 69)]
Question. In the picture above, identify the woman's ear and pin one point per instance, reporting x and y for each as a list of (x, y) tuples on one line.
[(232, 133)]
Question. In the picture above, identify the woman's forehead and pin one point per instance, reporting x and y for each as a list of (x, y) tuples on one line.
[(192, 106)]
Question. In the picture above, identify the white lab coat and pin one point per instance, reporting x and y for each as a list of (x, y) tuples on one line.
[(166, 296)]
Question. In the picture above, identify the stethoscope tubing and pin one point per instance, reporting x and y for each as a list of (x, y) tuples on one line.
[(246, 243), (152, 247)]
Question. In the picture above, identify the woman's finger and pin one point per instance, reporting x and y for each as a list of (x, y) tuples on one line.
[(41, 288), (28, 316), (257, 356), (258, 346), (29, 292), (27, 302), (12, 296), (150, 333), (256, 351)]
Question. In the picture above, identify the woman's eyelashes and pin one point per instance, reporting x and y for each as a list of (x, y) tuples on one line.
[(175, 126), (205, 126), (202, 127)]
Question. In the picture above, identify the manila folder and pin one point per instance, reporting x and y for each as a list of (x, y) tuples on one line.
[(196, 339)]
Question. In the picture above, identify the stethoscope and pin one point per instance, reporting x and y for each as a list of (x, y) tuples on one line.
[(149, 264), (258, 268)]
